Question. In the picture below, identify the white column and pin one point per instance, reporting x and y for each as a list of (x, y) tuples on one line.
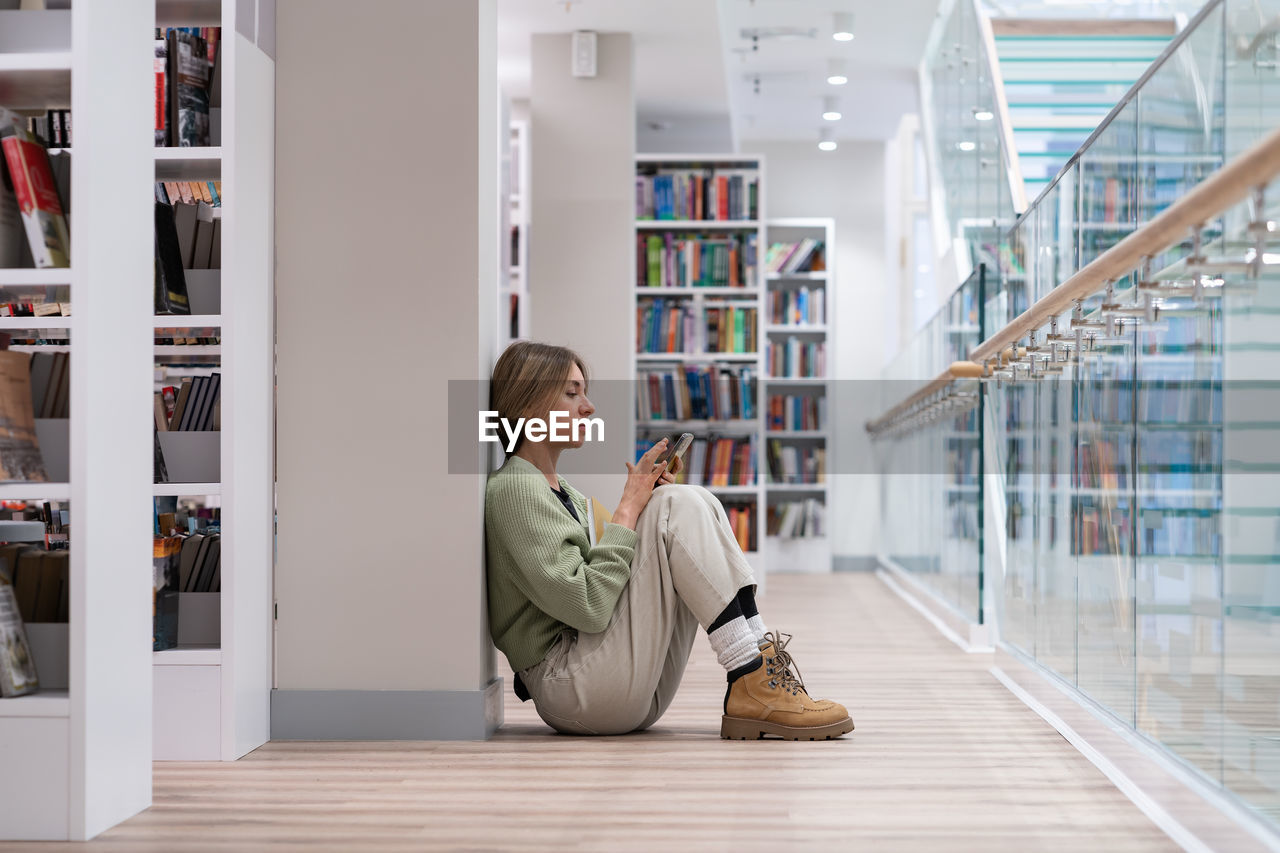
[(386, 242), (581, 245)]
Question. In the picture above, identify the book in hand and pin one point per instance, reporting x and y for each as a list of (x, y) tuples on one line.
[(17, 667), (31, 174), (597, 517)]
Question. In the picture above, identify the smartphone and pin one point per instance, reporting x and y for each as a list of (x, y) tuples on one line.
[(677, 448)]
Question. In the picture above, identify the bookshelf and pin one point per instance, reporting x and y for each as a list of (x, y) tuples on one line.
[(212, 693), (798, 300), (698, 265), (78, 754), (513, 289)]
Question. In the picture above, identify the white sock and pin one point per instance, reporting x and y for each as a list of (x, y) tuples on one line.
[(734, 643), (756, 625)]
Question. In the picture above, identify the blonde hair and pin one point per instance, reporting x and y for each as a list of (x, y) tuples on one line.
[(528, 377)]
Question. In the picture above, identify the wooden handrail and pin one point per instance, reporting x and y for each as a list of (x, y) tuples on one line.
[(1254, 167)]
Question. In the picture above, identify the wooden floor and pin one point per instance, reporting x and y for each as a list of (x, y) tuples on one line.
[(943, 758)]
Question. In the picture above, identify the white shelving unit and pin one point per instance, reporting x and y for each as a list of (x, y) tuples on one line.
[(515, 281), (806, 553), (212, 699), (78, 756), (750, 295)]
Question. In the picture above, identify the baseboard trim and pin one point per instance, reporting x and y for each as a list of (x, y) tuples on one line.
[(851, 563), (1194, 813), (387, 714), (969, 636)]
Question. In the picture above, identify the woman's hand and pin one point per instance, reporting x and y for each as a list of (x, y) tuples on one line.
[(641, 478)]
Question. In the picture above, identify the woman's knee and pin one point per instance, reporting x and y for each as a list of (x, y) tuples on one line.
[(682, 497)]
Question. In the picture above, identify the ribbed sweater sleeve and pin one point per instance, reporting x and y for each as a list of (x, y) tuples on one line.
[(546, 554)]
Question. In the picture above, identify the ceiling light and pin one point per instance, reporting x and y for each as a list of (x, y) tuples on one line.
[(966, 146), (983, 115), (835, 72), (831, 108), (842, 29), (827, 139)]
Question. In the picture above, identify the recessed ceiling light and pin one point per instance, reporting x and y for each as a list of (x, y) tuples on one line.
[(831, 108), (827, 139), (842, 29), (835, 72), (983, 115), (966, 145)]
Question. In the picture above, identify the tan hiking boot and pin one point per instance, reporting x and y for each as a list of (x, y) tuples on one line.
[(772, 700)]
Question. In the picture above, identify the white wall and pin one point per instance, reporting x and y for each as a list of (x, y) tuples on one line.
[(684, 134), (847, 184)]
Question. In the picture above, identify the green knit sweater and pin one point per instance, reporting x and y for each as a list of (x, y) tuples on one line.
[(543, 574)]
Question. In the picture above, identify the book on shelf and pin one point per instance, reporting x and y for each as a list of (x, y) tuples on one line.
[(791, 465), (715, 460), (17, 666), (54, 127), (174, 516), (187, 81), (13, 234), (696, 392), (695, 260), (799, 306), (195, 406), (187, 88), (196, 212), (165, 554), (170, 279), (42, 582), (805, 255), (709, 194), (160, 71), (802, 519), (50, 381), (794, 412), (31, 176), (742, 519), (797, 359), (20, 457), (677, 326)]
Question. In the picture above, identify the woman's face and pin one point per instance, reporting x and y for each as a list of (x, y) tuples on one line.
[(572, 398)]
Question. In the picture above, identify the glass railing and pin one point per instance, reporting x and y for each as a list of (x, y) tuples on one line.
[(1138, 485), (937, 470), (973, 167)]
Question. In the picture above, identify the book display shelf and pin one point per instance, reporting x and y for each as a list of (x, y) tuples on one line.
[(513, 290), (212, 692), (700, 334), (78, 751), (799, 285)]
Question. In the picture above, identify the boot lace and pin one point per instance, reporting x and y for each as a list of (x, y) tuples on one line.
[(780, 663)]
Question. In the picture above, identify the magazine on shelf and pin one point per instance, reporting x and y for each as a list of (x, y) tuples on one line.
[(17, 667)]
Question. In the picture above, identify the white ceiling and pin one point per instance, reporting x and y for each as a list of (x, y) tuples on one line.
[(694, 74), (888, 44)]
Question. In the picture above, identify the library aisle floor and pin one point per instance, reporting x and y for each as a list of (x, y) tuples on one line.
[(943, 757)]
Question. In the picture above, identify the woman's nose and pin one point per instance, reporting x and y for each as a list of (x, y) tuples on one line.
[(587, 407)]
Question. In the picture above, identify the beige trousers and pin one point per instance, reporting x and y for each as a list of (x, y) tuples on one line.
[(687, 568)]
